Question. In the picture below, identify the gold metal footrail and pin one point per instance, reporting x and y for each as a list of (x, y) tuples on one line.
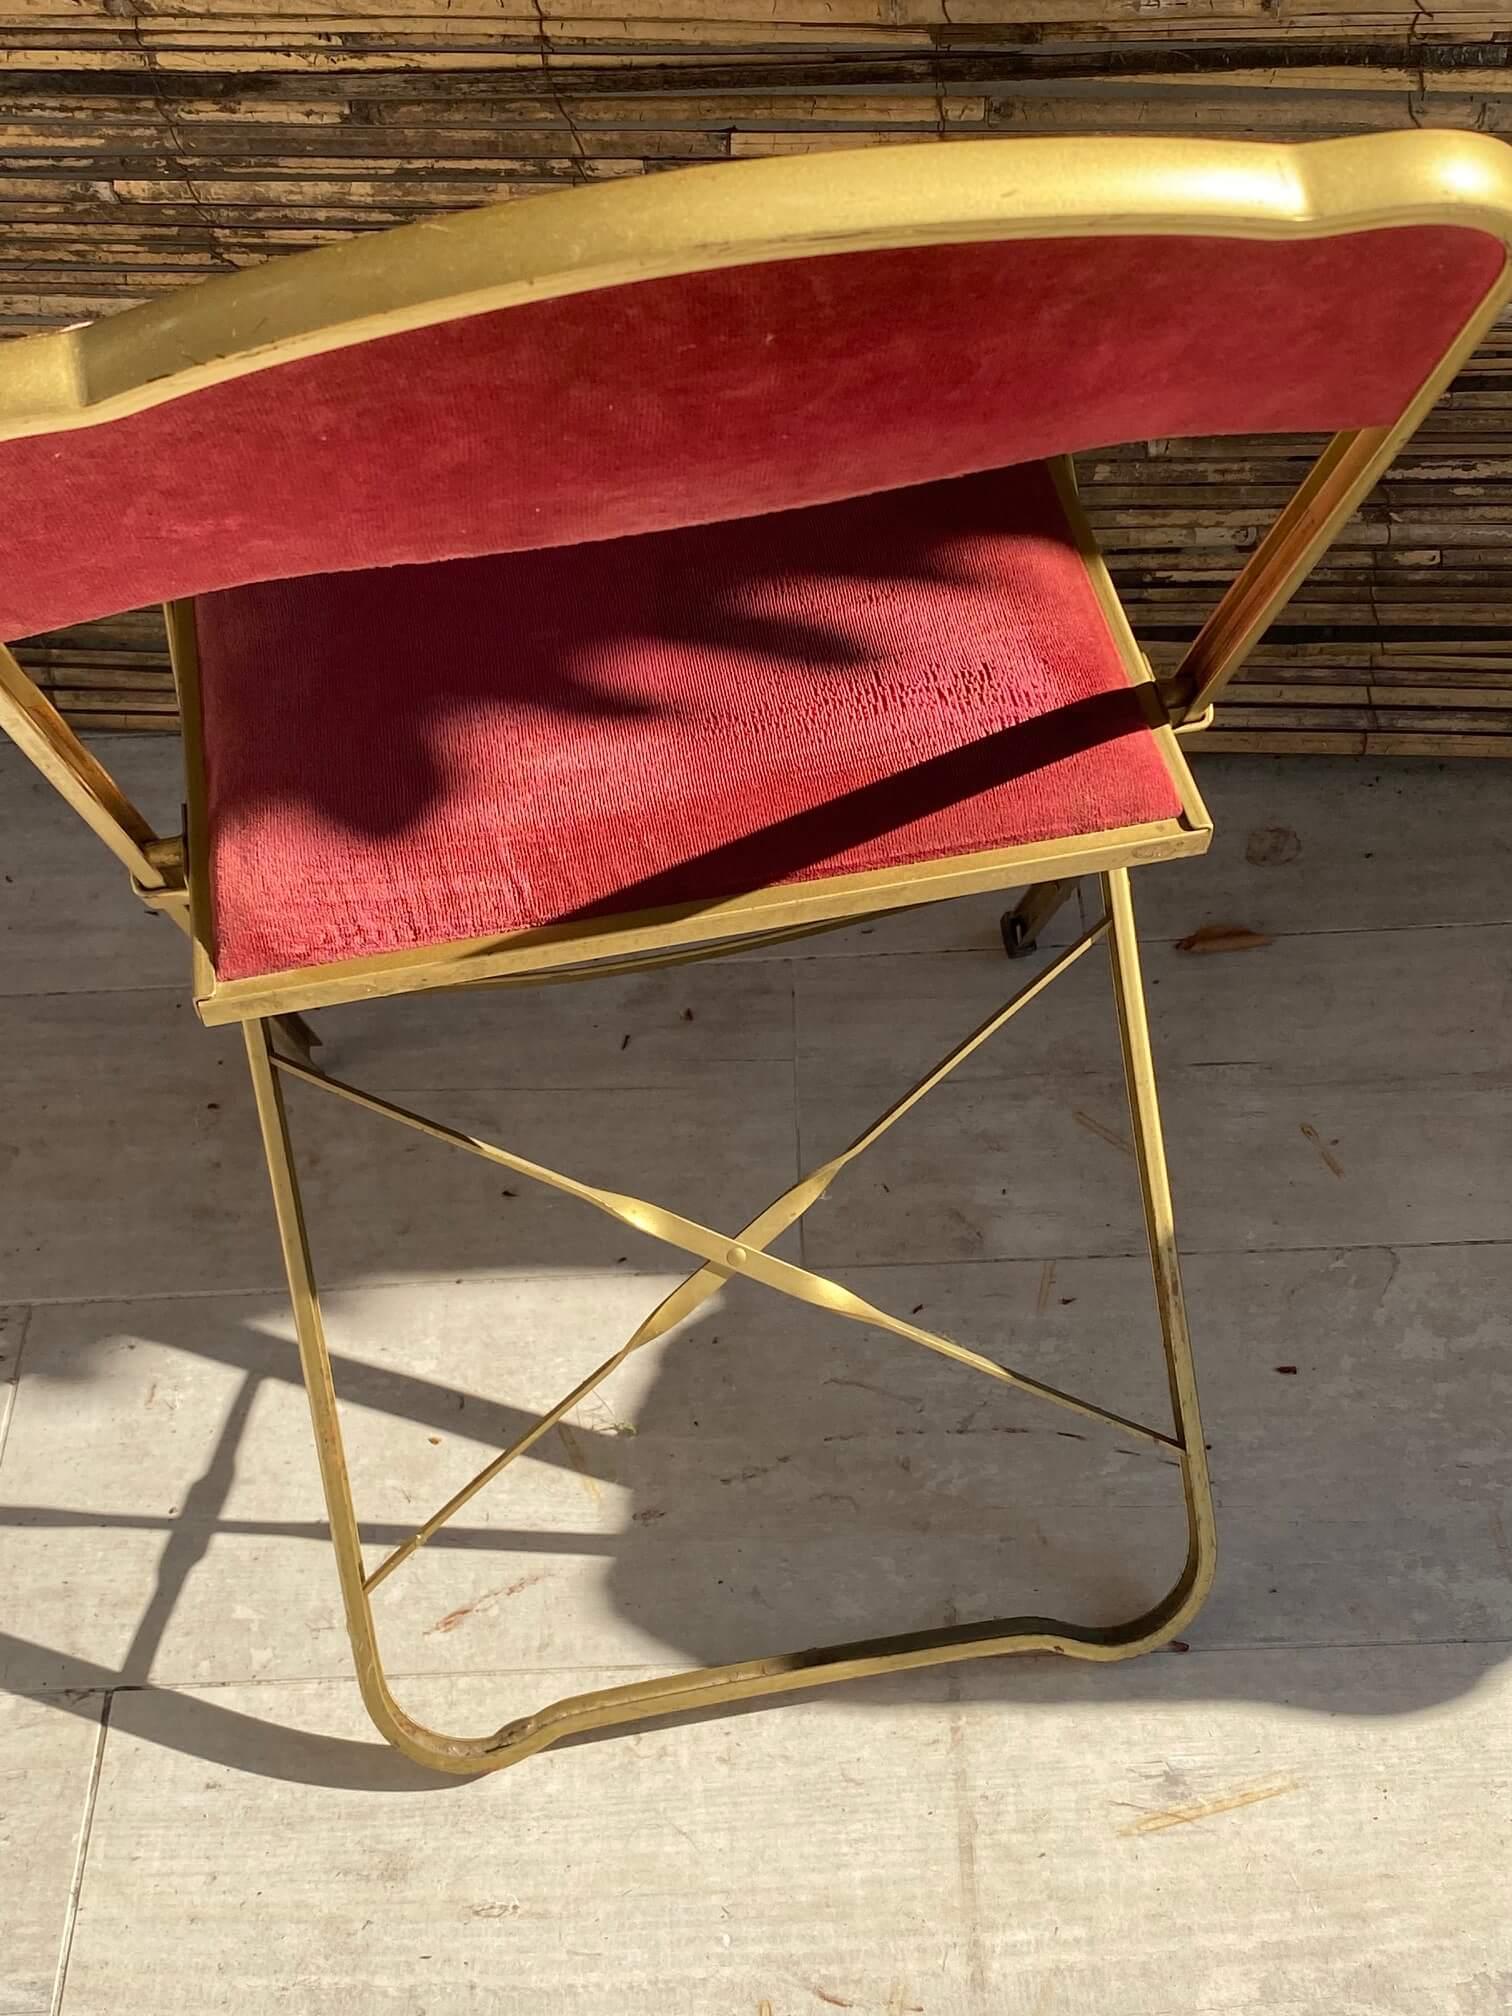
[(747, 1253)]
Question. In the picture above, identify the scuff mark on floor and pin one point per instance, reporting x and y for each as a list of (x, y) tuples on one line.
[(754, 1470), (886, 1392), (1330, 1161), (896, 2006), (482, 1604), (1108, 1134)]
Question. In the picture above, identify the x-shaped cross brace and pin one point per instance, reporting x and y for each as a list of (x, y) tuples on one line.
[(746, 1254)]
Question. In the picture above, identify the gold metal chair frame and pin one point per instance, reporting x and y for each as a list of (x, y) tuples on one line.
[(690, 221)]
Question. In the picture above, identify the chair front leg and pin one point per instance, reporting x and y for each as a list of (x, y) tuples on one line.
[(425, 1746), (1160, 1231)]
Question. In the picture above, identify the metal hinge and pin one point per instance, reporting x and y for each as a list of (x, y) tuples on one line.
[(170, 859), (1197, 723)]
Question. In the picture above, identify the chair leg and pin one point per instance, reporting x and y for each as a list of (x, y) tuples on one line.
[(1160, 1231), (786, 1672), (424, 1745), (298, 1034), (1022, 924)]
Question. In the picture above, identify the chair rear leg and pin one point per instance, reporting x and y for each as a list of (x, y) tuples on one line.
[(1158, 1625), (1022, 924), (298, 1034)]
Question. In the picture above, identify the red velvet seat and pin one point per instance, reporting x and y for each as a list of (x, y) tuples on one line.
[(411, 755)]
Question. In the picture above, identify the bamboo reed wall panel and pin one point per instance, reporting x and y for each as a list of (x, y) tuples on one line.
[(144, 147)]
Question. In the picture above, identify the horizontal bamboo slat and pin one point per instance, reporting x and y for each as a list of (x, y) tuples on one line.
[(143, 147)]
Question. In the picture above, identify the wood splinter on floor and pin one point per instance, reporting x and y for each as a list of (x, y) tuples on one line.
[(1222, 938), (1182, 1816)]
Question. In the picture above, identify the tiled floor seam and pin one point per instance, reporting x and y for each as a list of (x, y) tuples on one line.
[(1278, 936), (798, 1169), (74, 993), (881, 951), (1134, 1251), (86, 1831), (13, 1384), (1227, 1649), (961, 1792)]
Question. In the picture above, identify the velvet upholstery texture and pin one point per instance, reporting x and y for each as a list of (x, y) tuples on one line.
[(687, 400), (415, 755)]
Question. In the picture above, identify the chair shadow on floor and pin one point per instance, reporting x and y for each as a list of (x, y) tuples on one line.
[(793, 1480)]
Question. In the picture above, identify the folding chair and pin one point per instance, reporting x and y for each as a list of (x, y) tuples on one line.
[(674, 566)]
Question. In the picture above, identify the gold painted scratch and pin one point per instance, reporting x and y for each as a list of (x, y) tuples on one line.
[(1047, 1282), (1181, 1816)]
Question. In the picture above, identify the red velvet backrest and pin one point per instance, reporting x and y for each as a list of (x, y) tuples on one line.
[(722, 394)]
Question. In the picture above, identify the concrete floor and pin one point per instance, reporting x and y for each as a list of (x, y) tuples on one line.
[(1308, 1810)]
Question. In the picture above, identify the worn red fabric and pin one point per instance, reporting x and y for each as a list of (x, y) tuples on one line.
[(421, 754), (681, 401)]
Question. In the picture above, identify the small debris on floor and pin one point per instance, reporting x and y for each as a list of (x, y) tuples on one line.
[(1222, 938)]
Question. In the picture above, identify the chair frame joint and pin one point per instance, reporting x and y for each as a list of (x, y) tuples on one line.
[(168, 857)]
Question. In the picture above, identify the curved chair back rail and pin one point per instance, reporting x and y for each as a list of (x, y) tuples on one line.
[(732, 340)]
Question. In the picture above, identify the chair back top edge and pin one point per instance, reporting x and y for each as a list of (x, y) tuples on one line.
[(744, 213), (728, 342)]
